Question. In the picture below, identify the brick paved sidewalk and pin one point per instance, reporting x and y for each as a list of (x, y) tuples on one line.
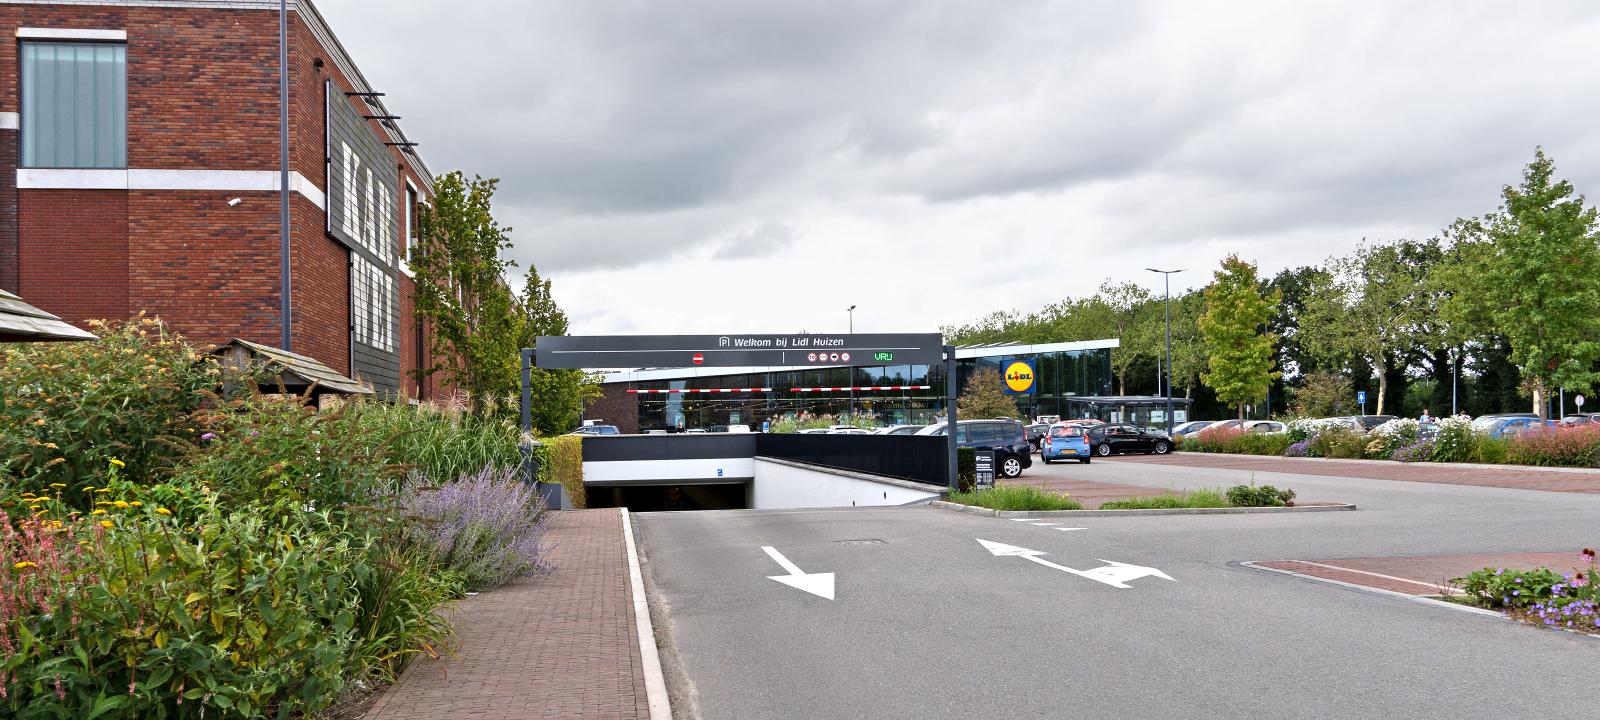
[(559, 646), (1510, 476), (1423, 575)]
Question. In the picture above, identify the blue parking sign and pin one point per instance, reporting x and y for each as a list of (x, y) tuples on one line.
[(1361, 397)]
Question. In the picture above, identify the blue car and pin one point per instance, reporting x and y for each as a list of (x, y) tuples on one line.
[(1065, 442), (1507, 427)]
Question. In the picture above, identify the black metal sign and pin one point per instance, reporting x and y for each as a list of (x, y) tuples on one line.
[(983, 470), (794, 350)]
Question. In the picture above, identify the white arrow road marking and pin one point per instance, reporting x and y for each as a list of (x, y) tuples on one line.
[(1115, 574), (1070, 529), (1023, 519), (1044, 524), (819, 584)]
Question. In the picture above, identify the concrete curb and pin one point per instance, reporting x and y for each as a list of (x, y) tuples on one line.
[(655, 683), (973, 510), (1426, 464), (1375, 590)]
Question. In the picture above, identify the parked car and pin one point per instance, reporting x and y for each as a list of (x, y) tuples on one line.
[(1036, 434), (1189, 428), (1507, 427), (899, 430), (1047, 420), (695, 431), (1484, 423), (1066, 442), (597, 430), (1120, 438), (850, 431), (816, 431), (1265, 427), (1581, 419), (728, 429), (1005, 437), (1367, 422)]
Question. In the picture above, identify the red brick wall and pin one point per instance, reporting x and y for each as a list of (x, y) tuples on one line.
[(75, 260), (321, 290), (209, 270)]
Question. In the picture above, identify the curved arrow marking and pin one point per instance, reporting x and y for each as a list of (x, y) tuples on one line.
[(1115, 574), (819, 584)]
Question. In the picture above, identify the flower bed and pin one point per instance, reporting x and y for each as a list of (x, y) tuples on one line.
[(1400, 440), (166, 552), (1541, 596)]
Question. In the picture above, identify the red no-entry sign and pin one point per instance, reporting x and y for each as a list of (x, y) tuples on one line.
[(698, 359)]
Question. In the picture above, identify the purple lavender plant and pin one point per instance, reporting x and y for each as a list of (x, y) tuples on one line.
[(488, 526), (1299, 449), (1419, 451)]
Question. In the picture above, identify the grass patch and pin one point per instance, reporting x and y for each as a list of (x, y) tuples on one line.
[(1171, 501), (1016, 497)]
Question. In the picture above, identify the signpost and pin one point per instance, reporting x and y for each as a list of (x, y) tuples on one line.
[(983, 470), (1361, 399)]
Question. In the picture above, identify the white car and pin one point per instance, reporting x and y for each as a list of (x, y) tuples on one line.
[(850, 431), (898, 430), (1267, 427)]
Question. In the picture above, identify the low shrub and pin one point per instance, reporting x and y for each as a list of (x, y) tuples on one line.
[(438, 442), (485, 527), (966, 469), (1385, 439), (1299, 448), (1260, 444), (1573, 604), (1192, 499), (1455, 440), (1418, 451), (1016, 497), (1488, 450), (1574, 446), (1338, 442), (563, 464), (1502, 588), (68, 409), (1259, 496), (1216, 440), (1234, 441)]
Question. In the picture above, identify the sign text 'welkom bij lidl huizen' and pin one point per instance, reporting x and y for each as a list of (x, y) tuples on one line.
[(791, 350)]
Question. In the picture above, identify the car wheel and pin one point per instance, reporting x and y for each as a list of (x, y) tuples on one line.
[(1161, 448), (1046, 459), (1103, 450), (1011, 466)]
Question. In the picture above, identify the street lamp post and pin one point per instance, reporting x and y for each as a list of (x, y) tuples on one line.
[(852, 311), (1166, 276)]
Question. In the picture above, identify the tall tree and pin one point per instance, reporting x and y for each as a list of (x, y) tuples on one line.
[(558, 395), (1234, 326), (461, 289), (1535, 276), (1367, 307), (1125, 308)]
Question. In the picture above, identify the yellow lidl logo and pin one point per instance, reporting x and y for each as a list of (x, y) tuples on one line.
[(1019, 376)]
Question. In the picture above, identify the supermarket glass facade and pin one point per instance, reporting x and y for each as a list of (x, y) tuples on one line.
[(1061, 375)]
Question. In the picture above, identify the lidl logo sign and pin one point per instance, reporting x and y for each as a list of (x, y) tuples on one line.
[(1019, 377)]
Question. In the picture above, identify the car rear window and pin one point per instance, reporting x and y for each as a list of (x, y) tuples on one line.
[(1066, 432)]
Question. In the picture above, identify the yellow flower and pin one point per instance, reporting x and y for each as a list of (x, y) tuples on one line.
[(88, 488), (163, 511), (58, 485), (99, 511), (136, 503), (118, 463), (121, 504), (53, 446), (103, 490), (106, 523), (24, 565)]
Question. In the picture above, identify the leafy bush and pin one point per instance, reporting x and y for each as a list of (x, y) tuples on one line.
[(1234, 441), (563, 463), (1488, 450), (1216, 440), (1574, 603), (1300, 448), (1305, 428), (1192, 499), (67, 409), (1259, 496), (966, 469), (1574, 446), (1419, 451), (237, 615), (1393, 435), (1260, 444), (790, 424), (437, 442), (1338, 442), (1455, 441), (1501, 588), (484, 527), (1016, 497)]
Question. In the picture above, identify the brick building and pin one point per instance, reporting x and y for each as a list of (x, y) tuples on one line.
[(139, 170)]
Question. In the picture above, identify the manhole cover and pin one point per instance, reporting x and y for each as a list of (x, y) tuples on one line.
[(864, 541)]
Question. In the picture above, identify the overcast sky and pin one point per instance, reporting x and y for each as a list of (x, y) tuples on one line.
[(744, 166)]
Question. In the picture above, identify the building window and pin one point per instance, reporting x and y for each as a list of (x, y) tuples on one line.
[(74, 105), (409, 212)]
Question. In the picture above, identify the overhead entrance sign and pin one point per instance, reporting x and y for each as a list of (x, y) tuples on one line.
[(792, 350)]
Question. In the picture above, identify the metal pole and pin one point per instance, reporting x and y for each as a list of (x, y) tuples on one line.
[(526, 443), (1168, 303), (1455, 366), (950, 414), (286, 340)]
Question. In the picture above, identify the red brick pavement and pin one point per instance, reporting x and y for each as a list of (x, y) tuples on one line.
[(1088, 492), (563, 645), (1424, 575), (1510, 476)]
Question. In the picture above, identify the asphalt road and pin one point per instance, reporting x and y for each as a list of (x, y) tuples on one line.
[(929, 623)]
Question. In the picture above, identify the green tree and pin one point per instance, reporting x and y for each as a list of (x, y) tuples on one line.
[(1367, 307), (461, 289), (558, 395), (1323, 393), (984, 396), (1532, 270), (1240, 363), (1124, 309)]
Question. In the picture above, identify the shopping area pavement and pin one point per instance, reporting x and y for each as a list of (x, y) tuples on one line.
[(561, 645), (937, 614)]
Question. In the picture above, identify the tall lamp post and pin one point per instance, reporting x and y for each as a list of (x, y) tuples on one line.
[(1166, 276), (852, 311)]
